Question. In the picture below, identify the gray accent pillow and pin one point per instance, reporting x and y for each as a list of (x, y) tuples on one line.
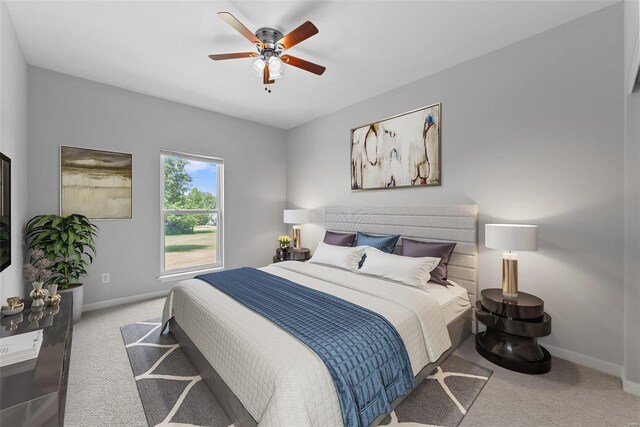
[(416, 248), (339, 239)]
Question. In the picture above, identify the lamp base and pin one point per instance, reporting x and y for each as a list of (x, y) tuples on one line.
[(507, 295), (509, 275), (297, 236)]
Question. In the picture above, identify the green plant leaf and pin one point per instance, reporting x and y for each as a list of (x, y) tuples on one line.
[(55, 222)]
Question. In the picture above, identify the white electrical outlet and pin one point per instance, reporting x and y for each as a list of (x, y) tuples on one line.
[(106, 278)]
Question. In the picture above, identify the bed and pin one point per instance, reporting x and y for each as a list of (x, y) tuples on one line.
[(262, 375)]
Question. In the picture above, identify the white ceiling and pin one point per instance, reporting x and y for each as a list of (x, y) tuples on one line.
[(160, 48)]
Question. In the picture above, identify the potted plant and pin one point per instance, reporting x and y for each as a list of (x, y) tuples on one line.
[(68, 242)]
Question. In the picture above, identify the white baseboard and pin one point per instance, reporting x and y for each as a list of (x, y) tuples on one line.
[(631, 387), (583, 359), (124, 300)]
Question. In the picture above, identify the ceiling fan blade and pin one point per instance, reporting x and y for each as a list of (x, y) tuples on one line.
[(298, 35), (302, 64), (223, 56), (239, 27), (266, 77)]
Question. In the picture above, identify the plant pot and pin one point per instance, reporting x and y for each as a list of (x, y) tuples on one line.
[(78, 296)]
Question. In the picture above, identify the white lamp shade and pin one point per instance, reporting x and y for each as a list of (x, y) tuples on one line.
[(512, 237), (275, 65), (296, 216), (258, 66)]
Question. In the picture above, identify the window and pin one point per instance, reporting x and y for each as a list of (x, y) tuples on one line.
[(191, 214)]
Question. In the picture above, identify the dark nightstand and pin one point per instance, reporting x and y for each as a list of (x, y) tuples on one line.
[(292, 254), (513, 327)]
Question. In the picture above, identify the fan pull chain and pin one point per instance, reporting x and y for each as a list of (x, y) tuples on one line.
[(267, 89)]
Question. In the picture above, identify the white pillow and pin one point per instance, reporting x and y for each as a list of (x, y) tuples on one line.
[(408, 270), (338, 256)]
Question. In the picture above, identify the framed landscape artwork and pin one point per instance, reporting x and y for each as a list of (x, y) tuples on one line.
[(95, 183), (400, 151)]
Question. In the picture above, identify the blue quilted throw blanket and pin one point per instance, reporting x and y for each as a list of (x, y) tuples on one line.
[(363, 352)]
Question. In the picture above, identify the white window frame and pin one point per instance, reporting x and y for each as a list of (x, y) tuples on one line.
[(219, 210)]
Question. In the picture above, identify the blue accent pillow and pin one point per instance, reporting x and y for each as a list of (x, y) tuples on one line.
[(384, 243)]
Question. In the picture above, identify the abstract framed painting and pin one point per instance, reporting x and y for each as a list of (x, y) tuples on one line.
[(95, 183), (399, 151)]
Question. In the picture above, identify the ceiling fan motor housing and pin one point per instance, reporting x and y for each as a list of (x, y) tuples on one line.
[(269, 38)]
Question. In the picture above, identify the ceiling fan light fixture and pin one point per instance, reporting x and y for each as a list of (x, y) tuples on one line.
[(258, 66), (276, 66)]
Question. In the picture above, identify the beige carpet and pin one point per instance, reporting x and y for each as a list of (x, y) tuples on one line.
[(102, 390)]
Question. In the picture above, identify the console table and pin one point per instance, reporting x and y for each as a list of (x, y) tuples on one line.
[(513, 326), (35, 396)]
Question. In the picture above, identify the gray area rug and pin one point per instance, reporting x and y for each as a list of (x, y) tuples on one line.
[(173, 393), (170, 388), (444, 398)]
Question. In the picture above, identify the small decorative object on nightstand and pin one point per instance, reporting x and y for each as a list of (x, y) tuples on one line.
[(292, 254), (284, 241), (513, 326), (297, 217)]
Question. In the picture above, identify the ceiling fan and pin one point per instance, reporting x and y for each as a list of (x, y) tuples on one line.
[(271, 45)]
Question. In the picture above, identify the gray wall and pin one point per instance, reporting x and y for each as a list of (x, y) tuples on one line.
[(65, 110), (13, 143), (532, 133), (632, 208)]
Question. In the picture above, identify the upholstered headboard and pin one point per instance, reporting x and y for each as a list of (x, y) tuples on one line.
[(438, 223)]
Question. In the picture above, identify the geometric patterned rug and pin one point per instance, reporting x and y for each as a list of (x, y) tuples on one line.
[(173, 394), (444, 398), (170, 388)]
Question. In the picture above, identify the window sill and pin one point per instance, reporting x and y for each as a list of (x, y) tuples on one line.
[(172, 277)]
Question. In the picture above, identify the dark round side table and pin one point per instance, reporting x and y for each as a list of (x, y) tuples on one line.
[(513, 327), (292, 254)]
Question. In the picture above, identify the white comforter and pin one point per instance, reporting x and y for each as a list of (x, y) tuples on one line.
[(278, 379)]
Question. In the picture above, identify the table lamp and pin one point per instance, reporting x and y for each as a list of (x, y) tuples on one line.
[(511, 237), (296, 217)]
